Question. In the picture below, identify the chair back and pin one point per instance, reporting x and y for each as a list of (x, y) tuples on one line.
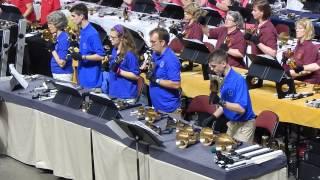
[(282, 28), (201, 104), (269, 121)]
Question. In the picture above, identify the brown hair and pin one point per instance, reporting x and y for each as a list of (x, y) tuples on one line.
[(264, 6)]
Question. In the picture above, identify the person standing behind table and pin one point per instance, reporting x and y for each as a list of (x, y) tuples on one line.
[(306, 54), (61, 66), (235, 102), (165, 79), (48, 6), (264, 38), (124, 65), (91, 49), (26, 9), (230, 38)]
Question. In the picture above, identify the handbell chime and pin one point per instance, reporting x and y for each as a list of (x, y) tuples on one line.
[(186, 137), (207, 136)]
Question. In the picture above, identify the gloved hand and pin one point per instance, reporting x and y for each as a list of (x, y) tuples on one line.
[(215, 99), (151, 78), (284, 59), (50, 46), (255, 39), (208, 121), (76, 56), (213, 2), (74, 44), (247, 36), (202, 20), (224, 47), (173, 31), (298, 69)]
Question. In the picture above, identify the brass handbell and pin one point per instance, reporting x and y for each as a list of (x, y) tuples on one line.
[(186, 137), (207, 136), (48, 36), (224, 142), (316, 88), (151, 115), (284, 38)]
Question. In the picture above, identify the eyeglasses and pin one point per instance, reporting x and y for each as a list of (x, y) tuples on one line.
[(113, 37)]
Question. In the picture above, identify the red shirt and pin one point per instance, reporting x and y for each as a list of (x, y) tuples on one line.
[(307, 53), (21, 5), (221, 12), (192, 31), (48, 6), (235, 41), (267, 35)]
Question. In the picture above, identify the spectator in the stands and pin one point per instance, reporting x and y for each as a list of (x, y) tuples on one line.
[(306, 55), (48, 6), (263, 38), (61, 66), (26, 9), (230, 38)]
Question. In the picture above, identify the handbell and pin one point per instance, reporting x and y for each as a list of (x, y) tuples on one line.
[(224, 142), (186, 137), (207, 136), (151, 115), (316, 88)]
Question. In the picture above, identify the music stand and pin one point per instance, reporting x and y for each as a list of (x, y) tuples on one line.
[(144, 6), (138, 40), (172, 10), (68, 95), (245, 12), (17, 81), (139, 132), (263, 68), (103, 107), (213, 18), (197, 52)]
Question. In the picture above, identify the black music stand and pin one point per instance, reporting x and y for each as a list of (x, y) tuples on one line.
[(263, 68), (245, 12), (172, 10), (140, 134), (213, 18), (197, 52), (68, 95), (138, 40), (103, 107), (144, 6)]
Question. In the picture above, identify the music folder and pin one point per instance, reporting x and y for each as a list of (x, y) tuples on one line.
[(68, 95), (245, 12), (172, 10), (195, 50), (213, 18)]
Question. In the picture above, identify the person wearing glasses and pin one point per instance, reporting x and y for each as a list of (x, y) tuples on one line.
[(305, 55), (165, 75), (263, 38), (123, 64), (91, 49), (230, 38), (61, 66), (234, 101)]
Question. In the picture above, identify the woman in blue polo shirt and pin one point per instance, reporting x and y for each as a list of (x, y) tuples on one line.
[(61, 68), (124, 66)]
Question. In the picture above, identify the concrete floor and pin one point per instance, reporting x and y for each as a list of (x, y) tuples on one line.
[(11, 169)]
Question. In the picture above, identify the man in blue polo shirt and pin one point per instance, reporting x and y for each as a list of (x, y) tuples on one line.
[(91, 49), (165, 79), (235, 101)]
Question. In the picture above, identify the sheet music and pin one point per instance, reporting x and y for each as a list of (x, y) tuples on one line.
[(101, 95), (266, 56), (193, 40), (140, 124), (18, 76)]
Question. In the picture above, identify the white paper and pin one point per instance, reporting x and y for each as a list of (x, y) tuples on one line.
[(18, 76)]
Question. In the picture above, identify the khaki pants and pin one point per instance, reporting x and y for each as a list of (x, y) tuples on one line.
[(242, 131)]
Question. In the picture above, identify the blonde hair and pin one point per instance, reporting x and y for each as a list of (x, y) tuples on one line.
[(308, 26), (195, 10)]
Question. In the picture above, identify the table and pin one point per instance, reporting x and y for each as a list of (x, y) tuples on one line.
[(49, 136)]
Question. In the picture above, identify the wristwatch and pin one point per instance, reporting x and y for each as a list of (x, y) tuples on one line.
[(223, 103), (158, 81)]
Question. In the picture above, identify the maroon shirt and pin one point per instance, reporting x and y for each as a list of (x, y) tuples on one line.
[(192, 31), (235, 41), (307, 53), (267, 34)]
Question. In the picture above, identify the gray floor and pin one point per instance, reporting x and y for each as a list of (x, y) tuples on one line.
[(11, 169)]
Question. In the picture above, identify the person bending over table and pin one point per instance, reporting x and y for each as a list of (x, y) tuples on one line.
[(235, 102), (263, 38), (47, 6), (61, 66), (26, 9), (124, 66), (191, 30), (165, 75), (230, 38), (306, 54), (91, 49)]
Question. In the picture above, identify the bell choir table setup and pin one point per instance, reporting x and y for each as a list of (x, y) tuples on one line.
[(52, 136)]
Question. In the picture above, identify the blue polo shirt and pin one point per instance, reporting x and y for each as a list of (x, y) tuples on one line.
[(119, 86), (235, 90), (89, 72), (61, 48), (167, 67)]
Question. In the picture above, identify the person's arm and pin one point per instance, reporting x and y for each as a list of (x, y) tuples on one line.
[(235, 53), (28, 11), (130, 70), (235, 107), (128, 75), (169, 84), (267, 50), (59, 61), (93, 57), (97, 48)]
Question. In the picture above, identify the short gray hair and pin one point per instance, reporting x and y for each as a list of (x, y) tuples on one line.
[(58, 19), (237, 18)]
